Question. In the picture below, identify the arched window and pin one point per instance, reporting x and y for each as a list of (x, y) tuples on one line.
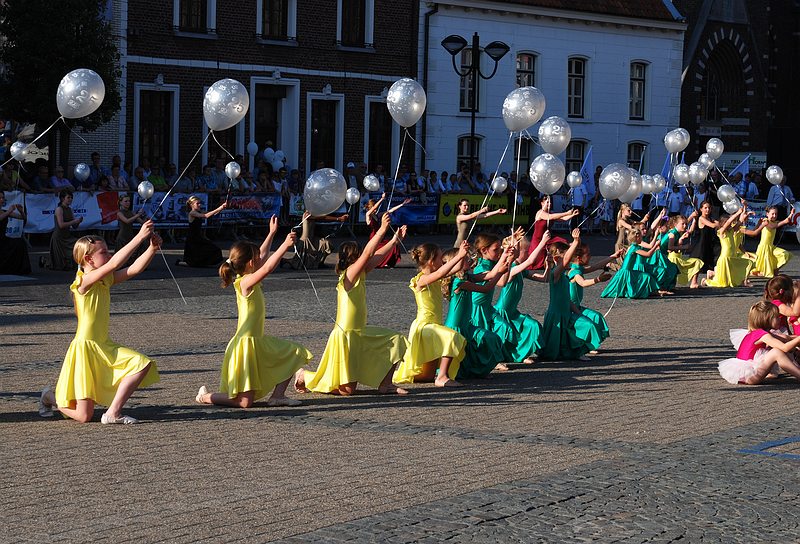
[(638, 87), (576, 87), (723, 90), (526, 69)]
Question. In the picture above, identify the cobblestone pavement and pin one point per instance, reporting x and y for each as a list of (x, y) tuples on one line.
[(645, 443)]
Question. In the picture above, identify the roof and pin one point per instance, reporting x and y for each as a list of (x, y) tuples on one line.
[(638, 9)]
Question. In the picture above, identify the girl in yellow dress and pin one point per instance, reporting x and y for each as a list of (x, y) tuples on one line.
[(730, 271), (255, 363), (432, 345), (356, 353), (688, 267), (97, 370), (770, 259)]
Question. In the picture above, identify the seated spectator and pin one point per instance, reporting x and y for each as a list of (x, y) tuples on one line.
[(260, 165), (218, 174), (127, 170), (172, 175), (146, 167), (103, 184), (59, 182), (444, 180), (158, 181), (41, 181), (454, 184), (205, 182), (135, 179), (479, 184), (295, 182), (95, 170), (264, 183), (246, 182), (186, 183), (116, 181), (277, 184)]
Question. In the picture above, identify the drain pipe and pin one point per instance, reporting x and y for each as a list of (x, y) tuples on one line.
[(424, 138)]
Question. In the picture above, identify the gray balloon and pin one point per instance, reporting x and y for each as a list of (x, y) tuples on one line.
[(19, 151), (634, 189), (145, 190), (547, 173), (732, 206), (372, 183), (406, 101), (554, 135), (648, 184), (232, 170), (697, 173), (225, 104), (82, 171), (774, 174), (523, 108), (352, 195), (325, 191), (574, 179), (499, 184), (80, 93), (614, 180), (659, 182), (726, 192), (673, 141), (681, 173), (714, 148), (706, 160)]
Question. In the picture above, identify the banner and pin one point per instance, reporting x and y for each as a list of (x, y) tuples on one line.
[(422, 210), (173, 212), (448, 208), (258, 207)]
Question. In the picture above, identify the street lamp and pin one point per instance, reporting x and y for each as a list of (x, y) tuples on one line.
[(454, 44)]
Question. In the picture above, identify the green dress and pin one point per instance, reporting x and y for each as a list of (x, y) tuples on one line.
[(526, 329), (484, 348), (565, 336), (486, 317), (576, 297), (662, 269), (631, 281)]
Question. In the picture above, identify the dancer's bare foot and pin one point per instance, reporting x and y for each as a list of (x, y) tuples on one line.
[(446, 382), (747, 283), (664, 293), (704, 282), (203, 395), (501, 367), (694, 285), (710, 274), (528, 361), (392, 390), (594, 352), (300, 381)]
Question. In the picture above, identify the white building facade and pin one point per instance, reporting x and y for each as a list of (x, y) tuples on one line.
[(616, 78)]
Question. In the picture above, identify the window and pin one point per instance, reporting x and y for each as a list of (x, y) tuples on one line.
[(636, 155), (526, 69), (155, 126), (380, 136), (323, 134), (638, 73), (275, 19), (524, 152), (465, 89), (353, 23), (193, 16), (576, 87), (268, 102), (464, 150), (576, 151)]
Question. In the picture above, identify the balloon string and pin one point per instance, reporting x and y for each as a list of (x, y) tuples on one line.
[(590, 214), (418, 144), (72, 131), (173, 275), (188, 164), (221, 147), (612, 305), (516, 185), (302, 258), (491, 185), (397, 169), (35, 140)]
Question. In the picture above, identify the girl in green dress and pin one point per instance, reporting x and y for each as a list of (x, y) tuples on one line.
[(632, 280), (662, 269), (577, 281)]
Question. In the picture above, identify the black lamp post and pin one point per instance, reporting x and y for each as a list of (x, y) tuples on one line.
[(454, 44)]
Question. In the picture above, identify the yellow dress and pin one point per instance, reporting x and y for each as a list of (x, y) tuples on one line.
[(429, 338), (254, 361), (94, 364), (355, 352), (688, 267), (738, 241), (730, 271), (769, 259)]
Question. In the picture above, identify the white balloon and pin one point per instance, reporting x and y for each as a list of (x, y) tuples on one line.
[(648, 184), (732, 206), (232, 170), (715, 148), (634, 189), (685, 136), (19, 151), (726, 192), (554, 135), (681, 174), (547, 173), (659, 182), (352, 195), (225, 104), (697, 173), (277, 165), (706, 160), (574, 179), (252, 148), (269, 154), (324, 192), (82, 171), (672, 141), (372, 183), (80, 93), (522, 108), (774, 174), (406, 101), (614, 180), (145, 190), (280, 155), (499, 184)]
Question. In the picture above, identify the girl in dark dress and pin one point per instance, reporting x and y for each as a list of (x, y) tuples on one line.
[(541, 223), (704, 250), (62, 240), (13, 250), (199, 251)]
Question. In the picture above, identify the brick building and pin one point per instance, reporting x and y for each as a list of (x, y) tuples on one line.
[(317, 73)]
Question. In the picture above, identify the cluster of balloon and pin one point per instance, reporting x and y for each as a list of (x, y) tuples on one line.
[(615, 179), (574, 179), (634, 188), (276, 159), (406, 101), (324, 192), (80, 93), (499, 184), (676, 140), (82, 172), (225, 104), (554, 135), (732, 206), (547, 173), (372, 183), (352, 196), (522, 108)]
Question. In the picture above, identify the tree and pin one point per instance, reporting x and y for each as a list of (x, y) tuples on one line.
[(43, 40)]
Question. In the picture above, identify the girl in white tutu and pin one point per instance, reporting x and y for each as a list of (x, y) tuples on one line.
[(759, 351)]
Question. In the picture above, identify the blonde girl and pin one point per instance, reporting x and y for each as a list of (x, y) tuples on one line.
[(624, 225), (255, 363), (96, 370), (678, 234), (730, 270), (433, 346), (632, 279)]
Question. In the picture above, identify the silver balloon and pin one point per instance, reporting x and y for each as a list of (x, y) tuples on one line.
[(325, 191), (732, 206), (574, 179), (145, 190), (673, 141), (659, 182), (82, 172), (252, 148), (225, 104), (80, 93), (614, 180), (523, 108), (685, 136), (19, 151), (232, 170), (499, 184), (554, 135), (774, 174), (372, 183), (681, 174), (269, 154), (726, 192), (697, 173), (406, 101), (648, 184), (352, 195), (634, 189), (715, 148), (706, 160), (547, 173), (280, 155), (277, 164)]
